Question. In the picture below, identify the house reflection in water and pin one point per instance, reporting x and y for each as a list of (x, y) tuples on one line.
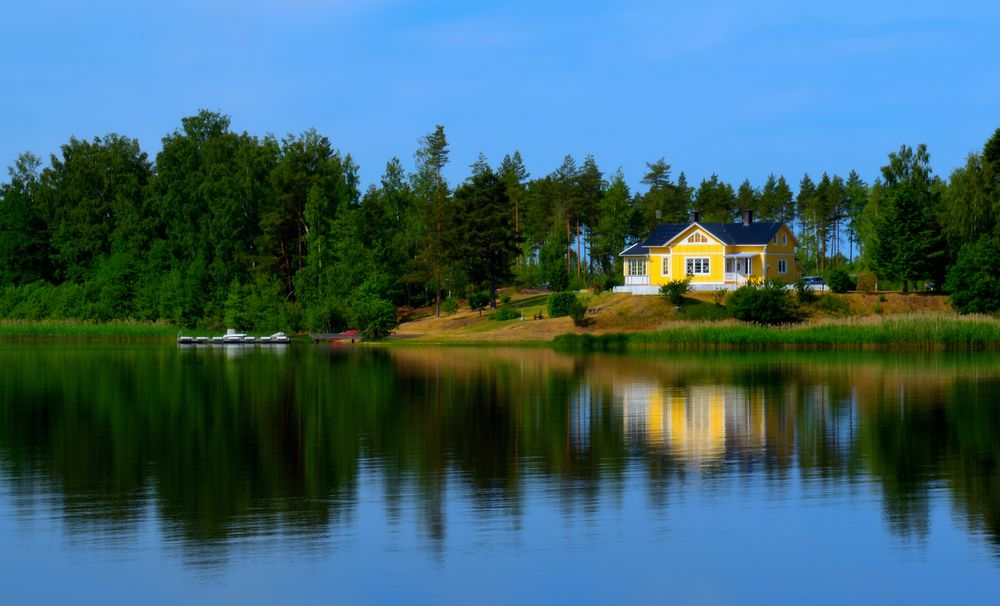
[(695, 423)]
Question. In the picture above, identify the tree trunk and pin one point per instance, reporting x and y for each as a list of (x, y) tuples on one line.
[(579, 255), (569, 247)]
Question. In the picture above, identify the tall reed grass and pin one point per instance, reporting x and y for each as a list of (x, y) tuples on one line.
[(937, 331), (124, 330)]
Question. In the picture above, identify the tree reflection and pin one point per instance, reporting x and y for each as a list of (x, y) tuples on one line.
[(226, 448)]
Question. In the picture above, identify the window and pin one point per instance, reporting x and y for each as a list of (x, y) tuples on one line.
[(697, 266), (775, 239), (637, 267), (697, 238), (782, 266), (784, 239), (665, 269)]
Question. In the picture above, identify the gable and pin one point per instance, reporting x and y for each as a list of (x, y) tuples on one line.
[(695, 235)]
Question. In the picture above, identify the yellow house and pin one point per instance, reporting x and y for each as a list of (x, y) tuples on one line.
[(713, 255)]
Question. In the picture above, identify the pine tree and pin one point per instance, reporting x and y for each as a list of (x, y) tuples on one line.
[(434, 197)]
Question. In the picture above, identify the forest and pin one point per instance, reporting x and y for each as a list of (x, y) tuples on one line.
[(232, 229)]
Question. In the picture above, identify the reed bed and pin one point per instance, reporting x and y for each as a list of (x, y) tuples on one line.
[(934, 331), (123, 330)]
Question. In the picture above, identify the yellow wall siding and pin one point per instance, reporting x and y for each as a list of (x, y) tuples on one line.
[(716, 251)]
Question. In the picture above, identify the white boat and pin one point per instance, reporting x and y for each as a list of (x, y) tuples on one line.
[(277, 338)]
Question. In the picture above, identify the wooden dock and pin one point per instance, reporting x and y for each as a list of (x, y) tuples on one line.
[(338, 337)]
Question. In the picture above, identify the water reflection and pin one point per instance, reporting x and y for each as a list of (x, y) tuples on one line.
[(237, 449)]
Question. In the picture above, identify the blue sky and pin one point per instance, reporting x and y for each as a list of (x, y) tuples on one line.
[(736, 88)]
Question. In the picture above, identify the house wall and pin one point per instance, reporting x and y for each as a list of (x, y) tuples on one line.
[(715, 251), (681, 250)]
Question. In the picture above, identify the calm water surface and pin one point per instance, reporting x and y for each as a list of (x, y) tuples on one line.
[(153, 474)]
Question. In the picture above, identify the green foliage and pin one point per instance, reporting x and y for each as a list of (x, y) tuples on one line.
[(506, 313), (479, 300), (674, 290), (719, 296), (765, 303), (375, 318), (578, 312), (450, 305), (561, 304), (505, 299), (973, 281), (839, 280), (908, 245), (804, 292)]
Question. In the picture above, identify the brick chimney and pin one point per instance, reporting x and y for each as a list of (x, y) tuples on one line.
[(747, 217)]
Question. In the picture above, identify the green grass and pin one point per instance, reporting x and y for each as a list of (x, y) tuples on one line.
[(909, 332), (85, 330)]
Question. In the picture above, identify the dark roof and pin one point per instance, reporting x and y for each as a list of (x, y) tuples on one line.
[(737, 233), (635, 250), (728, 233)]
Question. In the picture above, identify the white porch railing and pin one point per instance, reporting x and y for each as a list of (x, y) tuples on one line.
[(636, 280)]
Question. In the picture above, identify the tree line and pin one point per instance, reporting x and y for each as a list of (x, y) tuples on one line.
[(225, 228)]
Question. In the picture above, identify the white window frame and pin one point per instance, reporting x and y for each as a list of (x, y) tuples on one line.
[(782, 266), (637, 267), (784, 239), (698, 266), (665, 265), (697, 238)]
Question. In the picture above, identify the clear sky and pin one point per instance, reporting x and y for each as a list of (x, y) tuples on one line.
[(737, 88)]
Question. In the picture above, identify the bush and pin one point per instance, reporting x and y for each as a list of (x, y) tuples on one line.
[(506, 313), (674, 290), (561, 304), (719, 296), (375, 318), (866, 282), (450, 305), (604, 282), (578, 311), (478, 301), (973, 285), (803, 291), (767, 303), (504, 299), (839, 280)]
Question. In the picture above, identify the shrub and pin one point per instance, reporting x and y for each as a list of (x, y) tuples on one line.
[(478, 301), (972, 281), (504, 299), (877, 309), (674, 290), (719, 296), (560, 304), (374, 317), (506, 313), (605, 282), (450, 305), (767, 303), (803, 291), (839, 280), (866, 282), (578, 311)]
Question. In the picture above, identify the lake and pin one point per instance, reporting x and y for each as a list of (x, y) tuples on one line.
[(340, 475)]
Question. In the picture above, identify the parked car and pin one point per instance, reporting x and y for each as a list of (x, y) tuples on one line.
[(815, 282)]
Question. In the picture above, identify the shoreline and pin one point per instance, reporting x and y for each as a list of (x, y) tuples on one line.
[(907, 332)]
